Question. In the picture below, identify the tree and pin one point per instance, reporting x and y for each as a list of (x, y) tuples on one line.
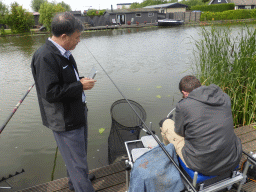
[(35, 4), (47, 11), (19, 20), (65, 6), (3, 13), (147, 3), (95, 12), (191, 3), (135, 5), (205, 1)]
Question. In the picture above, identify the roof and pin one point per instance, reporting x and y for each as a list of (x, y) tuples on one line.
[(123, 4), (213, 0), (239, 2), (75, 12), (243, 2), (138, 10), (166, 5), (36, 13)]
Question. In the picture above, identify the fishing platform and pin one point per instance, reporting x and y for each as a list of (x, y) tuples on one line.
[(112, 178)]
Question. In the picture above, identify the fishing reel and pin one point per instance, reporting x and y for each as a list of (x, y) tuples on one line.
[(253, 155)]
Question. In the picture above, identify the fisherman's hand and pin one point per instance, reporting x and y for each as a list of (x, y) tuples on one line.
[(162, 121), (87, 83)]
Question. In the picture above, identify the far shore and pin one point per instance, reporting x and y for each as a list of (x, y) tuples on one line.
[(111, 27)]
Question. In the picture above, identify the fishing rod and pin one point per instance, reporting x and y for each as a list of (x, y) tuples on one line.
[(251, 156), (15, 109), (171, 112), (151, 133)]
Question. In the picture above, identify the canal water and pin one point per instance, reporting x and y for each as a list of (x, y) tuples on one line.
[(146, 64)]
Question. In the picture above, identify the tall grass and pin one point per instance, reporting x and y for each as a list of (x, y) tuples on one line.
[(230, 63)]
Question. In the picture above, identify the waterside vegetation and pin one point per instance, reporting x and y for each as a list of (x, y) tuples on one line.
[(231, 64), (229, 15), (214, 7)]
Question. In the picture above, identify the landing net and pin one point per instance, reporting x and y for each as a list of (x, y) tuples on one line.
[(126, 126)]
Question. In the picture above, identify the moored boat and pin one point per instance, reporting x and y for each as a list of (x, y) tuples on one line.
[(169, 22)]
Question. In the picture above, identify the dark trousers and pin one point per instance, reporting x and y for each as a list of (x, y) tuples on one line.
[(73, 148)]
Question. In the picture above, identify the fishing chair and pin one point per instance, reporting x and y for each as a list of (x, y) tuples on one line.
[(204, 183), (126, 126)]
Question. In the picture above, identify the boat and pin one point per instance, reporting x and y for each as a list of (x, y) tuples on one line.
[(169, 22)]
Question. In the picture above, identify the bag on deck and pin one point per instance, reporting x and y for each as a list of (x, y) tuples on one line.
[(153, 171)]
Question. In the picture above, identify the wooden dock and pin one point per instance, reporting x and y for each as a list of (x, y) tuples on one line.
[(112, 178), (119, 26)]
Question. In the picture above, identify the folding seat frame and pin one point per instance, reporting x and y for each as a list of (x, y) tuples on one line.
[(204, 183)]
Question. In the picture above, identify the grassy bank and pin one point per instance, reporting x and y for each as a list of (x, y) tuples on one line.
[(222, 22), (8, 32), (231, 64)]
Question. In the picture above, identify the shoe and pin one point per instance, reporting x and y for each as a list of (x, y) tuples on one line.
[(91, 177), (70, 185), (71, 188)]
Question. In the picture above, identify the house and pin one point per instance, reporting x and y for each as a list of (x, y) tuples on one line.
[(123, 5), (76, 13), (124, 16), (239, 4), (169, 7)]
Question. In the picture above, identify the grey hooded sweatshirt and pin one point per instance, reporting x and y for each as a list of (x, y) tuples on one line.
[(205, 120)]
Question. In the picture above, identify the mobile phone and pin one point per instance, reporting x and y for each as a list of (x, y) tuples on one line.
[(92, 73)]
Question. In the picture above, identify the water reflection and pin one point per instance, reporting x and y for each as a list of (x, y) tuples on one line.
[(20, 44)]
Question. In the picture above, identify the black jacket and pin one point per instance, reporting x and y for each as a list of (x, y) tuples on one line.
[(204, 118), (59, 93)]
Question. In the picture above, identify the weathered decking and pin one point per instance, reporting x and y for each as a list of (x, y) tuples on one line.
[(112, 177)]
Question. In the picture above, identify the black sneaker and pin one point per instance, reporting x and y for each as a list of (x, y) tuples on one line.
[(71, 188)]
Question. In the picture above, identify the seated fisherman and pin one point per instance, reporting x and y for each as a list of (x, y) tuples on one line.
[(203, 133)]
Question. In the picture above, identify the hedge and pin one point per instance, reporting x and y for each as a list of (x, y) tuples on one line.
[(214, 8), (229, 15)]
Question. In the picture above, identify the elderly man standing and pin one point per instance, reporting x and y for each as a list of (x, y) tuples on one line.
[(203, 133), (61, 97)]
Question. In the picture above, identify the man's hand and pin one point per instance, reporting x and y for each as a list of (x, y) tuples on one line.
[(87, 83)]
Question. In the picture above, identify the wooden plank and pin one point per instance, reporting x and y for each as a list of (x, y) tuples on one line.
[(117, 188), (104, 178), (244, 129), (108, 170), (55, 185), (247, 137), (109, 181), (250, 186), (63, 190), (250, 146)]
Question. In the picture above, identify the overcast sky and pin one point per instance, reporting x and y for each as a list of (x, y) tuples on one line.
[(77, 4)]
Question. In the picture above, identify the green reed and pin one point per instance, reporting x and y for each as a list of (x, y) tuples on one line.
[(230, 63)]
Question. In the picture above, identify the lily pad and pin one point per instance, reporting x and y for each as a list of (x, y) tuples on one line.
[(101, 130), (158, 87), (159, 96)]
